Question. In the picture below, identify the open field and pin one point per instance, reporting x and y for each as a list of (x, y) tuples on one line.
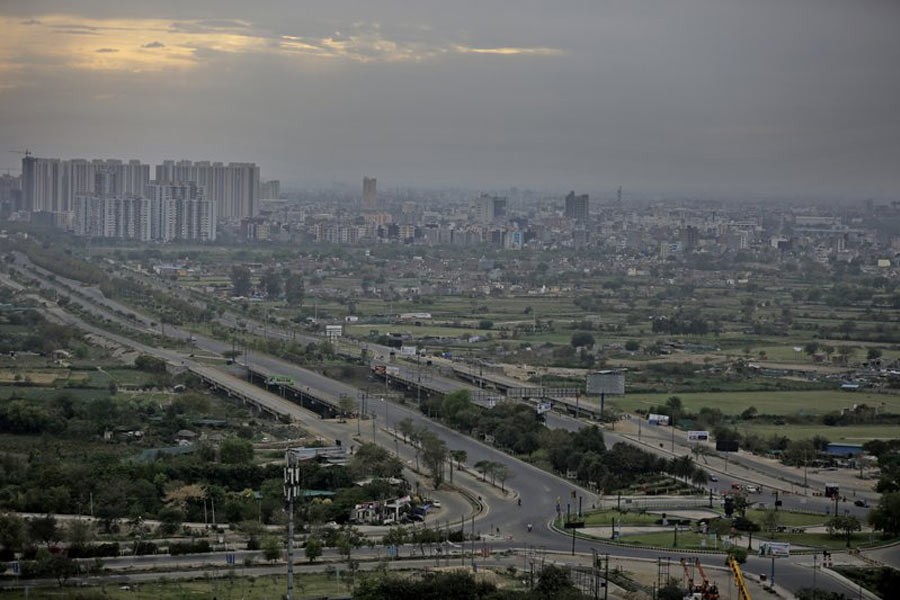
[(248, 588), (851, 434), (32, 377), (817, 402), (605, 517), (788, 518), (690, 540)]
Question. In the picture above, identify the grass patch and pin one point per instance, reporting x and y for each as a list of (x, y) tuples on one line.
[(856, 434), (230, 586), (788, 519), (817, 402), (628, 518)]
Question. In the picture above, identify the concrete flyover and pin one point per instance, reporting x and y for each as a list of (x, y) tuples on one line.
[(249, 394)]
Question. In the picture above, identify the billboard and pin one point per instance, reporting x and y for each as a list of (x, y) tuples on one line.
[(775, 549), (654, 419), (698, 436), (727, 445), (605, 382)]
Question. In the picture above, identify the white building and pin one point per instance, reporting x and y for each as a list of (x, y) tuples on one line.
[(233, 188), (181, 211)]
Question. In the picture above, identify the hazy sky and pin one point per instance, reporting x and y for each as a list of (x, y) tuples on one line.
[(706, 96)]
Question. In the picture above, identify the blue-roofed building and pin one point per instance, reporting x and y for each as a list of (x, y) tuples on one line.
[(846, 450)]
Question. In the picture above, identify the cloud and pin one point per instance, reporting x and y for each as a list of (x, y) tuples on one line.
[(508, 51), (189, 43)]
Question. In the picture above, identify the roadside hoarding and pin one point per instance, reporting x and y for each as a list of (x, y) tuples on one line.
[(727, 445), (777, 549), (698, 436), (655, 419), (605, 382)]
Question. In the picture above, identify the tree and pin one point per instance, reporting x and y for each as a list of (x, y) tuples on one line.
[(59, 567), (741, 504), (150, 364), (810, 348), (484, 467), (771, 519), (235, 451), (502, 473), (632, 345), (873, 354), (843, 524), (293, 289), (43, 529), (12, 532), (459, 456), (372, 460), (271, 548), (582, 339), (170, 519), (553, 581), (271, 280), (885, 517), (240, 281), (313, 548), (434, 453), (78, 532), (348, 539), (347, 404), (406, 427)]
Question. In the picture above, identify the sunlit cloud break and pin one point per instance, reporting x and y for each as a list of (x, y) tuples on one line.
[(142, 45), (508, 51)]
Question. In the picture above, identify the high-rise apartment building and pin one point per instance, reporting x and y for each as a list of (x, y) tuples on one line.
[(42, 184), (577, 207), (370, 194), (270, 190), (491, 208), (123, 217), (51, 184), (10, 194), (233, 188), (181, 211)]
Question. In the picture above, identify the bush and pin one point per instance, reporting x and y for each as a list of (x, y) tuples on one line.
[(739, 554), (196, 547)]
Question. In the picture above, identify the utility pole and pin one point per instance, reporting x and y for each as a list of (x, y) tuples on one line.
[(292, 486)]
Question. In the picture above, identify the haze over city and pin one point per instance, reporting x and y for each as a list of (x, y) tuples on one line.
[(709, 98)]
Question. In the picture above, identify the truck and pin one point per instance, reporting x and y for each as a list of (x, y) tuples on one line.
[(832, 490)]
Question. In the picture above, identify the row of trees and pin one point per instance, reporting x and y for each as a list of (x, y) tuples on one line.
[(275, 284), (518, 429)]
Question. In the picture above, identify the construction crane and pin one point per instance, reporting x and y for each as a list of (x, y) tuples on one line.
[(743, 592), (26, 153), (698, 591), (710, 590), (694, 592)]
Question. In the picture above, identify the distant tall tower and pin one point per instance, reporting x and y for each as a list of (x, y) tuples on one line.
[(370, 195), (491, 208), (619, 196), (577, 207)]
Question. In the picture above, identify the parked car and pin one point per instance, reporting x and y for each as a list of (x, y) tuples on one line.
[(861, 503), (713, 478)]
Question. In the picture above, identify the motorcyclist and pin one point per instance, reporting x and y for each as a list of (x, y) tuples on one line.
[(529, 528)]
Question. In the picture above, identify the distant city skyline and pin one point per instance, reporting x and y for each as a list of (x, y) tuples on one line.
[(702, 97)]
